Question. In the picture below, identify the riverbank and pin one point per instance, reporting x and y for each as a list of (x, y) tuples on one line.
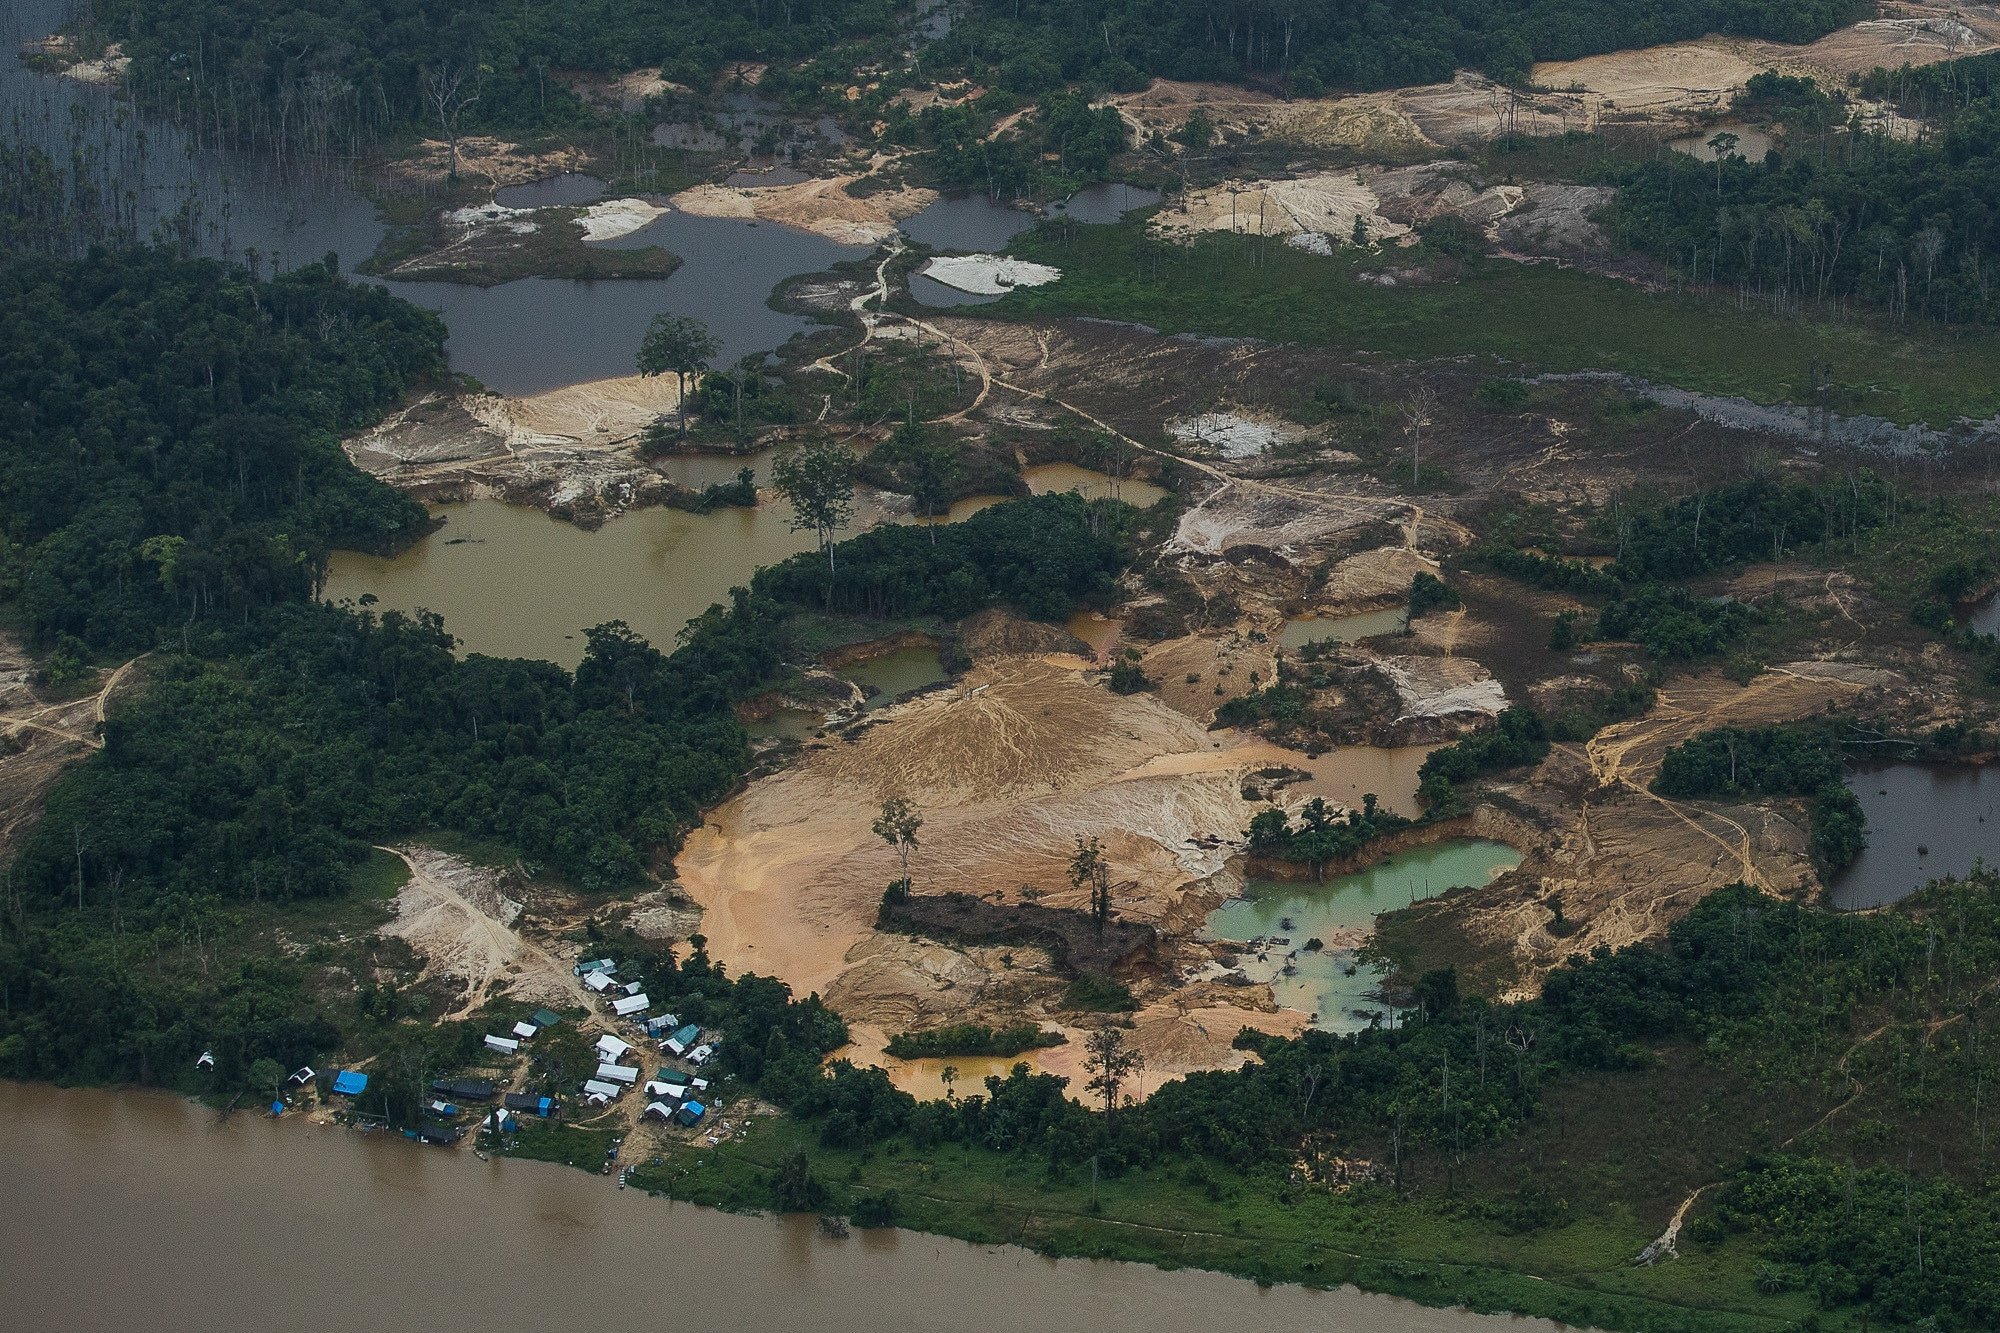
[(290, 1215)]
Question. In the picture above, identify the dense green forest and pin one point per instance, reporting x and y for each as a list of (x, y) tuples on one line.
[(1843, 214), (1029, 46), (336, 75), (172, 449), (1734, 762)]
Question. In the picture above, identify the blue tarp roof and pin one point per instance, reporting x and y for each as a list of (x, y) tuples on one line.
[(350, 1082)]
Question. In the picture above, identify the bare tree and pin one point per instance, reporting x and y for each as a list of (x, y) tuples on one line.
[(1419, 406), (445, 90)]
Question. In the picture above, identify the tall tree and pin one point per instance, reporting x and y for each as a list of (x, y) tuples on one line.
[(681, 344), (1109, 1062), (897, 825), (816, 478)]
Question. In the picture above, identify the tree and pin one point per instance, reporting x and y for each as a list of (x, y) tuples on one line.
[(1723, 146), (817, 480), (681, 344), (897, 825), (264, 1072), (447, 95), (931, 471), (1109, 1063), (1419, 406), (1088, 867)]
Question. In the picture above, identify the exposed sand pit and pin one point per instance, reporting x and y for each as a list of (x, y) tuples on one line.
[(455, 914), (616, 217), (988, 275), (1008, 769), (1326, 203), (1440, 687), (821, 206), (1233, 434), (1371, 578), (491, 159)]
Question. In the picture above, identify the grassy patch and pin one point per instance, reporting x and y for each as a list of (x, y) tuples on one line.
[(437, 251), (1531, 314), (379, 877), (1255, 1225), (566, 1145)]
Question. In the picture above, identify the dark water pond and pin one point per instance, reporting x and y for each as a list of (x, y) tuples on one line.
[(968, 222), (572, 187), (1106, 201), (1924, 821)]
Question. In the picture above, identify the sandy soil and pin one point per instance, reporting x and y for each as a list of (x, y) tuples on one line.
[(486, 157), (1008, 769), (821, 206), (1625, 862), (458, 916), (41, 739), (569, 450)]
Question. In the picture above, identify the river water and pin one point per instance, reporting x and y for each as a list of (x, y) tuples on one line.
[(141, 1210)]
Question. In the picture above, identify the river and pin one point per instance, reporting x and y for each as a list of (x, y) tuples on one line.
[(142, 1210)]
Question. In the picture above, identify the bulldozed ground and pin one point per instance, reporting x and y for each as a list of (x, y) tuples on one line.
[(1028, 750), (44, 731)]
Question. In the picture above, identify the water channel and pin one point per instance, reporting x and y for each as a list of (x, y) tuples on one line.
[(1925, 821), (1331, 983), (1302, 630), (141, 1210)]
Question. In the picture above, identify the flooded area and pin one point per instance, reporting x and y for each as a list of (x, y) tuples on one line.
[(570, 187), (1330, 982), (512, 582), (1106, 201), (1346, 775), (1055, 478), (892, 675), (105, 1188), (1302, 630), (969, 222), (1749, 143), (1924, 821)]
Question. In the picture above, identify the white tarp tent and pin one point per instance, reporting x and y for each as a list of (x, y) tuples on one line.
[(610, 1048), (593, 1087), (505, 1045), (618, 1074), (598, 982), (630, 1005)]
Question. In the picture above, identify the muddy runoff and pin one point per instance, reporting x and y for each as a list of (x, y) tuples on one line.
[(299, 1217)]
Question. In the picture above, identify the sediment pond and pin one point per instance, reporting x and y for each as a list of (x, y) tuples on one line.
[(1302, 630), (1331, 983), (894, 674), (1925, 821)]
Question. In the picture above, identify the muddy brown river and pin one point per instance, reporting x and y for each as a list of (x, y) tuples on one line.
[(141, 1210)]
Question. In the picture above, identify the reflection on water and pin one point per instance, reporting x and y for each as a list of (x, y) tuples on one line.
[(1302, 630), (924, 1079), (1751, 143), (894, 674), (1055, 478), (968, 222), (697, 471), (1925, 821), (569, 187), (1332, 984), (513, 582), (1106, 201)]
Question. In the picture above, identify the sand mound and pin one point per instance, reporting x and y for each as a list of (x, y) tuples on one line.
[(1443, 687), (1326, 203), (616, 217), (988, 275), (1371, 578), (1233, 434), (456, 915), (821, 206)]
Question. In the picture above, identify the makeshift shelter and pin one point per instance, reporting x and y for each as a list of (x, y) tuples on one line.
[(618, 1074), (464, 1089), (594, 1087), (350, 1083), (691, 1114), (611, 1048), (605, 965), (528, 1104), (630, 1005), (504, 1045), (599, 982), (525, 1030), (545, 1018)]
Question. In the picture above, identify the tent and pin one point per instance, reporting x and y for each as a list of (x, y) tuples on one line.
[(504, 1045), (618, 1074), (599, 1088), (545, 1018), (525, 1030), (691, 1114), (611, 1048), (350, 1083), (630, 1005), (599, 982)]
